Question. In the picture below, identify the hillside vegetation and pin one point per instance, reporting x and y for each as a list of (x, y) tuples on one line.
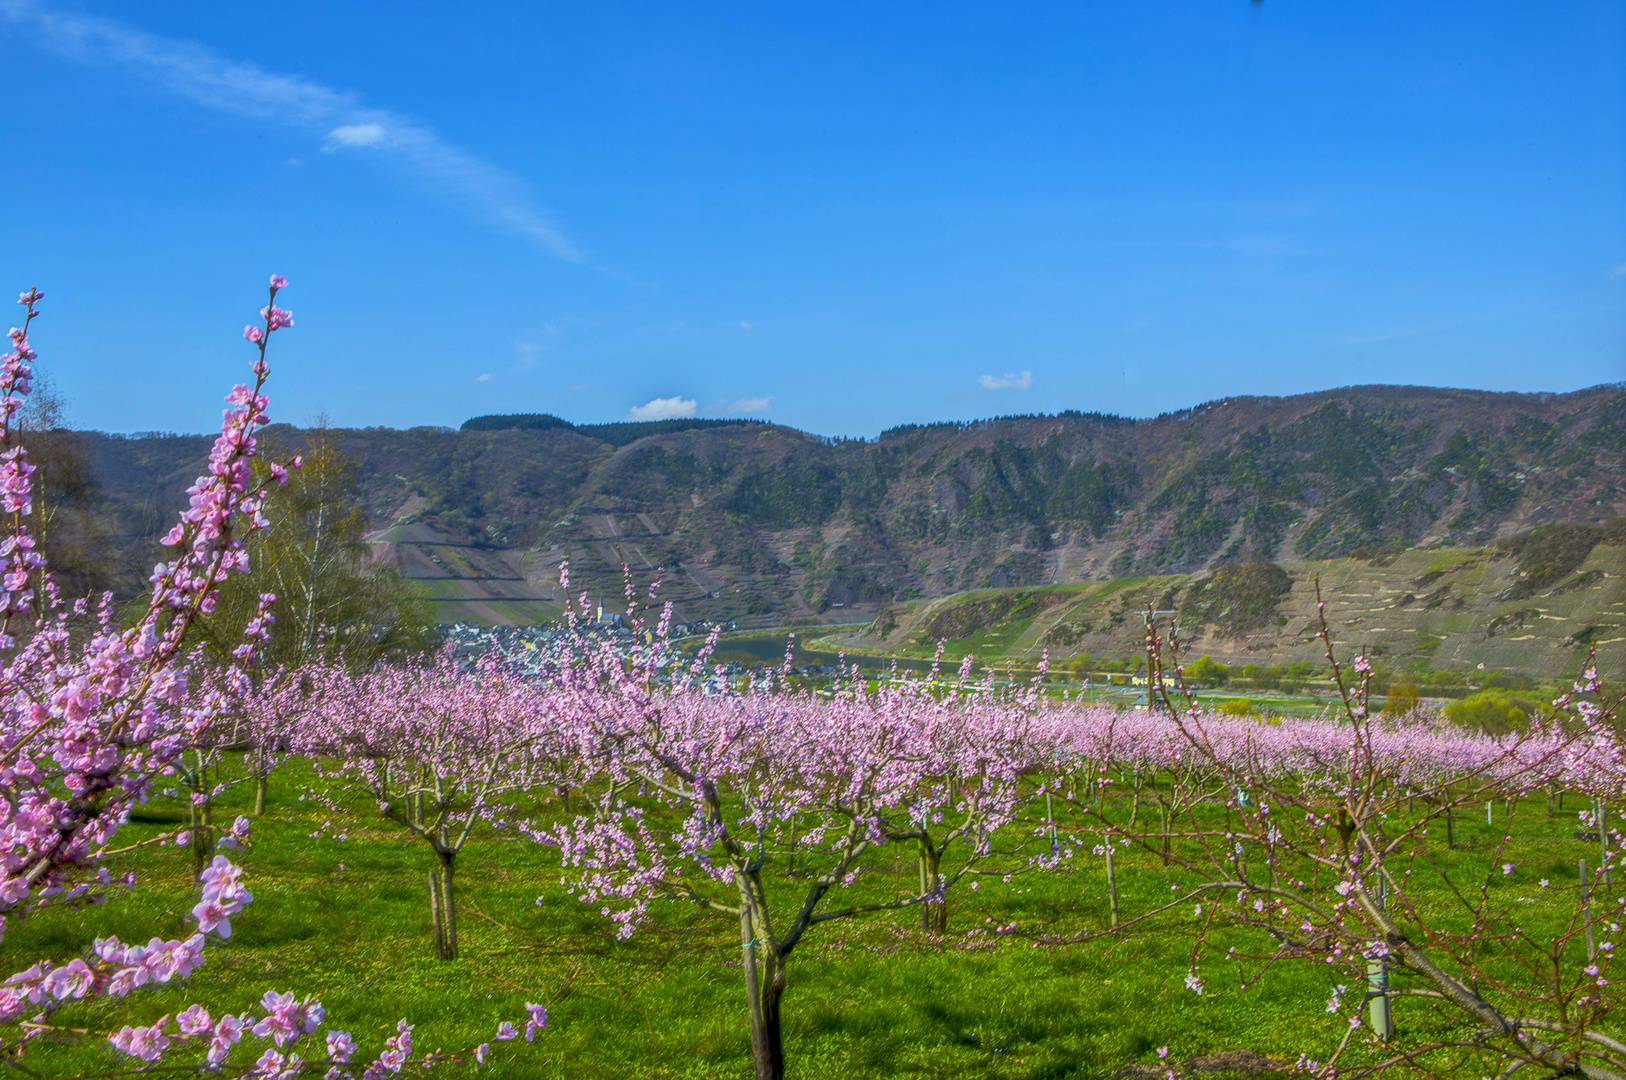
[(1513, 608), (767, 525)]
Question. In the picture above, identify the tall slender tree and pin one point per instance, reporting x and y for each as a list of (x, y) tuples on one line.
[(62, 516), (333, 603)]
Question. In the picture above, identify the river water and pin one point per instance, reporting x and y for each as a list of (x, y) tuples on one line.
[(770, 649)]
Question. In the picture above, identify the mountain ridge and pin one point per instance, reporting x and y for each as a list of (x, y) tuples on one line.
[(760, 522)]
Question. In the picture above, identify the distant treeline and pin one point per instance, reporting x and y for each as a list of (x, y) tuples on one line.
[(620, 434), (617, 434), (1072, 415)]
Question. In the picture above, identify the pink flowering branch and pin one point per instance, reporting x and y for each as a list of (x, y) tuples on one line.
[(1307, 834), (93, 717)]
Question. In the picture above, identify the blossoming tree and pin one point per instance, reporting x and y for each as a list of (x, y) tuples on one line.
[(695, 792), (433, 747), (91, 718), (1318, 841)]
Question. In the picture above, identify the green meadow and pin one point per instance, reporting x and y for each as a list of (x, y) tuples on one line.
[(349, 920)]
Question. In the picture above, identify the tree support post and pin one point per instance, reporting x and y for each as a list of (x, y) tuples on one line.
[(1112, 888), (1600, 815), (1586, 916), (1378, 1012), (1050, 819)]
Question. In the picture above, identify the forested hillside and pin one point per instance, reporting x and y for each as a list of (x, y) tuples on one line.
[(755, 521)]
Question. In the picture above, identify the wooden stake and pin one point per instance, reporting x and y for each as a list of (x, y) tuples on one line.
[(1586, 914)]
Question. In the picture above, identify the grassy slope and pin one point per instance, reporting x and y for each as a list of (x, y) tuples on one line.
[(875, 998), (1428, 609)]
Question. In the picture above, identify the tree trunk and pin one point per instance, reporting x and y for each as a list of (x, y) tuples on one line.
[(933, 916), (442, 907), (203, 838), (764, 986), (1163, 821), (770, 1065), (262, 784)]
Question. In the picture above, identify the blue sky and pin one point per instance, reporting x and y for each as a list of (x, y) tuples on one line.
[(838, 216)]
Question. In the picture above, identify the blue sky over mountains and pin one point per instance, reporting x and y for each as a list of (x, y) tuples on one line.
[(839, 216)]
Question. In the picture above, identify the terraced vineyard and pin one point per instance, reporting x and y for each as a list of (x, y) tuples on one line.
[(1455, 609)]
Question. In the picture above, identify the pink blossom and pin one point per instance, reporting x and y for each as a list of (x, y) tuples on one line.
[(535, 1020), (146, 1043), (283, 1018), (340, 1047), (71, 980), (276, 318), (227, 1034), (194, 1020)]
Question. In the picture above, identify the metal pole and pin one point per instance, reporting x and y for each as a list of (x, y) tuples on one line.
[(1377, 982), (1050, 816), (1112, 886)]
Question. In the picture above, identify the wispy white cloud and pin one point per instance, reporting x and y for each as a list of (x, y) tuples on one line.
[(202, 75), (1007, 381), (483, 378), (356, 135), (663, 408), (745, 325), (528, 353), (1618, 270)]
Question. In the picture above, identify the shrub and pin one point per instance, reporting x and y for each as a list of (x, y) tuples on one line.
[(1402, 699), (1491, 713), (1207, 670)]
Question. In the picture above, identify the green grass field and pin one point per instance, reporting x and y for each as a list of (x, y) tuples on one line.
[(872, 998)]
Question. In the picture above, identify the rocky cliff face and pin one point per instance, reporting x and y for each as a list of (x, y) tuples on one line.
[(759, 522)]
